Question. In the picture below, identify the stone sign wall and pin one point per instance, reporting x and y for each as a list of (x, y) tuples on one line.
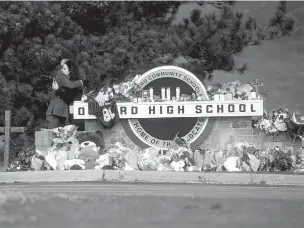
[(226, 130)]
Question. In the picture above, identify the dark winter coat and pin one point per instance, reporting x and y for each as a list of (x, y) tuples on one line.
[(58, 107)]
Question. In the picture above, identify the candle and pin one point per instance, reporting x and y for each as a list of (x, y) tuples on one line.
[(168, 93), (177, 93), (221, 97), (163, 93), (151, 93), (253, 95)]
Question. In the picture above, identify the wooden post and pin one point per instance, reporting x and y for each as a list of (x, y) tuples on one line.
[(7, 137), (7, 129)]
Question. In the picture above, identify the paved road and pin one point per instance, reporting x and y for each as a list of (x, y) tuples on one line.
[(176, 190), (125, 205)]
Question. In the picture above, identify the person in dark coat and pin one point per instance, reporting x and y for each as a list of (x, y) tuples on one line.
[(70, 95), (58, 110)]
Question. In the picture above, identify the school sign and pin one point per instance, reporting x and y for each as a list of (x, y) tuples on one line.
[(155, 123), (190, 109)]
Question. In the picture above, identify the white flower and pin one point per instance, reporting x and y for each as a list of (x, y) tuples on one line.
[(265, 124), (116, 88), (101, 98)]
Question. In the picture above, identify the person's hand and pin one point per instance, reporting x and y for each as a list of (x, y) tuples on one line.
[(84, 98), (55, 85)]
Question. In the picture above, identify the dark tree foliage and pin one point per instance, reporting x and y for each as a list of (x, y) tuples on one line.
[(116, 39), (106, 15)]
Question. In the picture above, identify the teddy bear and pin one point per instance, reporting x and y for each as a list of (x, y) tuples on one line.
[(96, 137), (88, 151)]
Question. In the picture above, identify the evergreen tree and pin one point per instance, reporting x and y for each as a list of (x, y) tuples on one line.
[(210, 42)]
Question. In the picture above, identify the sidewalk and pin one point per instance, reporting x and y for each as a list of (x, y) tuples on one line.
[(152, 177)]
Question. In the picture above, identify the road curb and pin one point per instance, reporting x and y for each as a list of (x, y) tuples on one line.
[(177, 177), (152, 177)]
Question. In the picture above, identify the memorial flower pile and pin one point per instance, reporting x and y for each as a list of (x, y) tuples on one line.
[(73, 151), (130, 91), (282, 120), (231, 91), (125, 91)]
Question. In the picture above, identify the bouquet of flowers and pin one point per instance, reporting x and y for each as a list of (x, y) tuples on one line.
[(127, 91), (124, 91), (274, 123), (282, 162), (105, 95), (66, 134), (232, 90)]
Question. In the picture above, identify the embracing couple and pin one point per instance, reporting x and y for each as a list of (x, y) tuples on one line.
[(68, 88)]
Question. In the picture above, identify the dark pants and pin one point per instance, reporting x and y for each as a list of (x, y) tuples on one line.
[(55, 121)]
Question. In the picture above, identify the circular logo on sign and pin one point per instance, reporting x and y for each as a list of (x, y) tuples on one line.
[(159, 132)]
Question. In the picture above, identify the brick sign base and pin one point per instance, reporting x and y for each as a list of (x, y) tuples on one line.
[(226, 130)]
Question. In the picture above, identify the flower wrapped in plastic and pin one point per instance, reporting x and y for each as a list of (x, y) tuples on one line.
[(128, 90), (210, 167), (244, 91), (267, 125), (282, 162), (300, 158), (66, 133), (213, 89), (124, 91), (147, 163), (274, 123), (220, 157), (162, 159)]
